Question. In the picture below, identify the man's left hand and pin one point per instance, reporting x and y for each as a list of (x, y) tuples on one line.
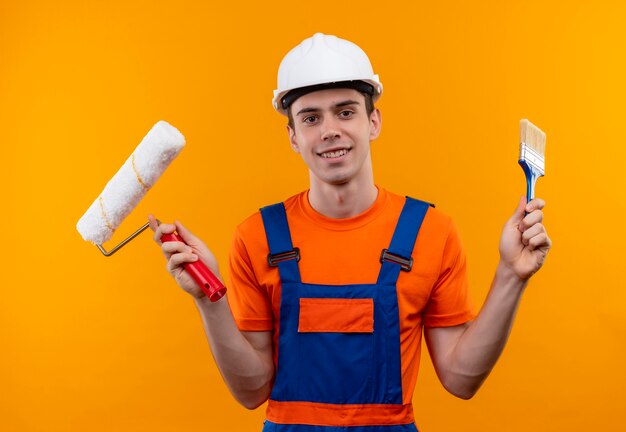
[(524, 243)]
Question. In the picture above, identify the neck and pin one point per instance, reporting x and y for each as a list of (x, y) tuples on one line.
[(343, 200)]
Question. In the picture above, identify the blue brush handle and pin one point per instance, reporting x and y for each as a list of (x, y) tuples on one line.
[(532, 174)]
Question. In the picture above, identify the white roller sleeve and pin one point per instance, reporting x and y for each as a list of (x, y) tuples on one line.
[(129, 185)]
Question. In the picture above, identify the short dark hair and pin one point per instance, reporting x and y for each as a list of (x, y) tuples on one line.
[(369, 108)]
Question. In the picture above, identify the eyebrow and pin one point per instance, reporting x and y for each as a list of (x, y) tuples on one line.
[(337, 105)]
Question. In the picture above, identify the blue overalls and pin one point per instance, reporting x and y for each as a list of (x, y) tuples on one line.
[(321, 372)]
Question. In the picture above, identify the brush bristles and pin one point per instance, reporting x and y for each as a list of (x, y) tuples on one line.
[(532, 136)]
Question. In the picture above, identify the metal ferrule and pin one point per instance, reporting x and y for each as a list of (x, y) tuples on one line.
[(533, 158)]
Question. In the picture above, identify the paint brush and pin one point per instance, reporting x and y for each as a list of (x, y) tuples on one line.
[(532, 155)]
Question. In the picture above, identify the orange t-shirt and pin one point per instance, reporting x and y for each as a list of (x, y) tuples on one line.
[(347, 251)]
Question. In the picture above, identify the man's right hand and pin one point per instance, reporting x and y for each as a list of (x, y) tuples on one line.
[(179, 253)]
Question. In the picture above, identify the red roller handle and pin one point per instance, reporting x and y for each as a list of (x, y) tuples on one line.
[(210, 284)]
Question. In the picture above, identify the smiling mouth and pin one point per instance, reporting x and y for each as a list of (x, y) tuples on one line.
[(334, 153)]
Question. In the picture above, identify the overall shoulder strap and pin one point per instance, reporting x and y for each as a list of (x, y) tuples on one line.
[(398, 256), (282, 253)]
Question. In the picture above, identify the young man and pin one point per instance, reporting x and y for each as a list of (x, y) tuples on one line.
[(332, 288)]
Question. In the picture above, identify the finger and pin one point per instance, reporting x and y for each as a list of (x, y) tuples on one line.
[(153, 222), (539, 241), (176, 261), (531, 232), (163, 229), (154, 226), (534, 204), (531, 219), (172, 247), (186, 235)]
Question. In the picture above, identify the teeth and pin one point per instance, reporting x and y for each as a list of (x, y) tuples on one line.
[(334, 154)]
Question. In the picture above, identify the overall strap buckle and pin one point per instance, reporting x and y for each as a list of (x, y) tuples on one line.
[(274, 259), (406, 264)]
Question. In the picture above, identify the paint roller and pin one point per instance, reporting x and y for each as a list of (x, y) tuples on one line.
[(128, 186)]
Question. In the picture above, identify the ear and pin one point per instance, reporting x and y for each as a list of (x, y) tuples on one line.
[(292, 139), (376, 122)]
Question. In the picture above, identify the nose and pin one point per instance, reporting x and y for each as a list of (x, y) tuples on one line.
[(330, 129)]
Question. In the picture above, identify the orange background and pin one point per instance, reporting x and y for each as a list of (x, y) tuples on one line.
[(111, 344)]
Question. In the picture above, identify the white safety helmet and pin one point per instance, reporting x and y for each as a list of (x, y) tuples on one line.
[(324, 61)]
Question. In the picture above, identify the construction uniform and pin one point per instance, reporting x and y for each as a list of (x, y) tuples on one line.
[(346, 300)]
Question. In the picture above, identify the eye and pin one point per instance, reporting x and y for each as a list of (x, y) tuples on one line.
[(309, 119), (346, 113)]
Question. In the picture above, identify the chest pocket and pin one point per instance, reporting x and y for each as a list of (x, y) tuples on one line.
[(335, 315)]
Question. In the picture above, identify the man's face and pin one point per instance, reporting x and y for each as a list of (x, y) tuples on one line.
[(332, 133)]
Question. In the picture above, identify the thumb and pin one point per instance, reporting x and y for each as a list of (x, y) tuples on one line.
[(519, 212)]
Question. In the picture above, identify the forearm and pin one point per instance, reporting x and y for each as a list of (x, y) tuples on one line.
[(247, 370), (464, 355), (482, 342)]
